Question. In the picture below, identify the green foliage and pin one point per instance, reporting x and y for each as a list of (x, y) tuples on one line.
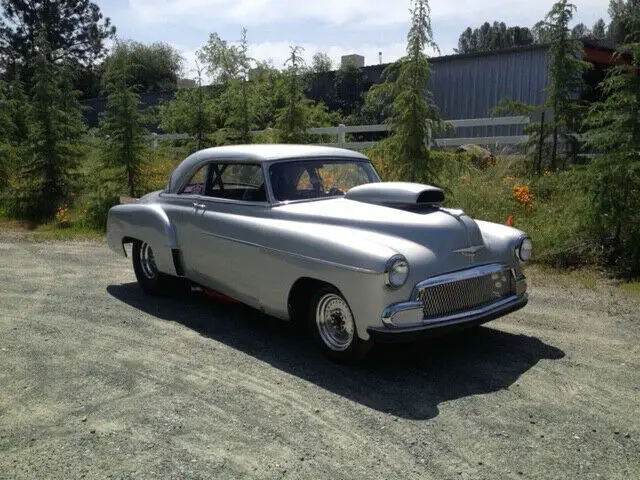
[(193, 111), (55, 127), (413, 114), (625, 21), (244, 97), (566, 70), (222, 61), (122, 126), (321, 63), (489, 37), (238, 99), (154, 68), (379, 98), (599, 30), (614, 175), (75, 31), (293, 118), (349, 88)]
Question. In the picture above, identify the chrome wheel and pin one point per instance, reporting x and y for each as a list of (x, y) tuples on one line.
[(147, 262), (334, 321)]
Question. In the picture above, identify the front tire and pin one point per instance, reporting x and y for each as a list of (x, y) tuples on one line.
[(333, 327), (150, 279)]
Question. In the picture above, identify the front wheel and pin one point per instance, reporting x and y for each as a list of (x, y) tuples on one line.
[(333, 327), (150, 279)]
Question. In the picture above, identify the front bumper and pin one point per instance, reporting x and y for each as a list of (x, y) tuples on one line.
[(462, 297), (443, 325)]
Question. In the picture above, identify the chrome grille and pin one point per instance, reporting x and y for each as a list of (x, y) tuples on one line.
[(459, 295)]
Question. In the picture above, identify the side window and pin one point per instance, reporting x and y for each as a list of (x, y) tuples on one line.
[(196, 185), (238, 181)]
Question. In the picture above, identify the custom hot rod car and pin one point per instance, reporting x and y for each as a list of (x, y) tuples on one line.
[(311, 234)]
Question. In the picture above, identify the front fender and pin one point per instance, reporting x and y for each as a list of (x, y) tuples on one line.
[(145, 222)]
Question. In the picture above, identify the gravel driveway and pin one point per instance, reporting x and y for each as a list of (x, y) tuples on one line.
[(99, 381)]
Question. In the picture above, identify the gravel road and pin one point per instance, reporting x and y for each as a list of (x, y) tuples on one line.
[(99, 381)]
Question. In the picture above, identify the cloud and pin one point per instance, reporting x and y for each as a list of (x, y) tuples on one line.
[(357, 14)]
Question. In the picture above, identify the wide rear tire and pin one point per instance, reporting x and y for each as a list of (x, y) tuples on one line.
[(333, 327), (150, 279)]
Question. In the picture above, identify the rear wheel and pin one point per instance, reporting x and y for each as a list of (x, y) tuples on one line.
[(333, 327), (150, 279)]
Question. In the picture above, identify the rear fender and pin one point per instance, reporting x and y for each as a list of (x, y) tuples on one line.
[(145, 222)]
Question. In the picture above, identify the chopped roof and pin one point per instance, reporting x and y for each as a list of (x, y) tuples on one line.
[(258, 154)]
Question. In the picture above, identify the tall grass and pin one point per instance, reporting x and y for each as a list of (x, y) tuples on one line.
[(554, 212)]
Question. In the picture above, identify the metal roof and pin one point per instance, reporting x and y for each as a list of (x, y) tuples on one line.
[(256, 154)]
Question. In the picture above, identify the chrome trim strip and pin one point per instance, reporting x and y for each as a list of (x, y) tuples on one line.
[(392, 310), (291, 254)]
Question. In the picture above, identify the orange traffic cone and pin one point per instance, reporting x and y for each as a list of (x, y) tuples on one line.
[(509, 220)]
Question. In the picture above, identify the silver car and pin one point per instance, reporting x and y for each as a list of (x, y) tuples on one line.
[(311, 234)]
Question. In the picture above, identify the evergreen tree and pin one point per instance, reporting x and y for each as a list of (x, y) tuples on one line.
[(192, 111), (55, 125), (231, 67), (238, 97), (614, 132), (349, 88), (490, 37), (413, 114), (74, 29), (292, 119), (156, 66), (625, 21), (122, 125), (599, 30), (565, 71)]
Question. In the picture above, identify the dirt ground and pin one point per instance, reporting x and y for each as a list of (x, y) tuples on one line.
[(99, 381)]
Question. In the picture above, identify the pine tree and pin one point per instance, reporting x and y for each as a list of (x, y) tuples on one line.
[(292, 120), (414, 116), (122, 125), (565, 70), (192, 111), (55, 125), (239, 97), (614, 183)]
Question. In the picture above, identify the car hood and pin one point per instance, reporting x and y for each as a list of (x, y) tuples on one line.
[(434, 227)]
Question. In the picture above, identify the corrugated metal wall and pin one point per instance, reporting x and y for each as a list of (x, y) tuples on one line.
[(463, 86), (470, 86)]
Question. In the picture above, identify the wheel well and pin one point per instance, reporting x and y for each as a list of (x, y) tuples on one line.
[(300, 296), (126, 240)]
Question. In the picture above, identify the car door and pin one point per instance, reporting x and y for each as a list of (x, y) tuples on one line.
[(223, 231)]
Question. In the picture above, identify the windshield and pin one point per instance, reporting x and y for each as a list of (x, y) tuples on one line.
[(304, 180)]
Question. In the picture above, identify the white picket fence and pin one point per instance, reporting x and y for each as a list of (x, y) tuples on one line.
[(341, 132)]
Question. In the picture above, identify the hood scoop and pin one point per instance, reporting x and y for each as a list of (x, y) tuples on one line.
[(402, 195)]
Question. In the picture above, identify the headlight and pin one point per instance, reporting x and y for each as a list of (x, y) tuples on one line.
[(396, 272), (524, 250)]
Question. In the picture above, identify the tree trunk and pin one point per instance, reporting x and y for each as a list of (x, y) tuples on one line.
[(554, 151)]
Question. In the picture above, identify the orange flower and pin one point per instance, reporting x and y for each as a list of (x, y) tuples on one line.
[(522, 195), (465, 178)]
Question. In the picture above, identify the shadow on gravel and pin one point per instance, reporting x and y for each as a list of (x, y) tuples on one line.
[(406, 380)]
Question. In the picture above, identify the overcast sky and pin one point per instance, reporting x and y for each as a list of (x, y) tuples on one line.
[(337, 27)]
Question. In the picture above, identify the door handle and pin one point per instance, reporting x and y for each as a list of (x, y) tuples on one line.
[(199, 206)]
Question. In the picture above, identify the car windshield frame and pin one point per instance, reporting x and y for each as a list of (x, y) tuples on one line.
[(305, 164)]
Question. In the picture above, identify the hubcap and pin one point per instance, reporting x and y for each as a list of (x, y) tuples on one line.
[(335, 322), (147, 262)]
